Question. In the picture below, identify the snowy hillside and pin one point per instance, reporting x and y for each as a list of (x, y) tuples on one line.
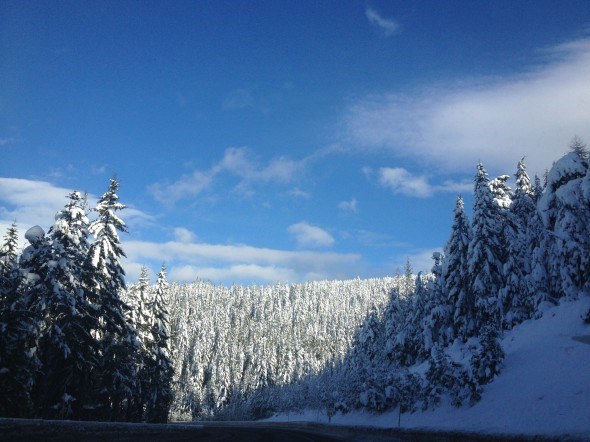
[(544, 386)]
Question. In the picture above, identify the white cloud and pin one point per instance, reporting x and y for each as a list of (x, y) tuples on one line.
[(184, 235), (401, 181), (30, 202), (497, 120), (186, 186), (307, 235), (227, 262), (386, 26), (237, 162), (247, 273), (348, 206)]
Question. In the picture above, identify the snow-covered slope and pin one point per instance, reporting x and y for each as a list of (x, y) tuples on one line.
[(544, 387)]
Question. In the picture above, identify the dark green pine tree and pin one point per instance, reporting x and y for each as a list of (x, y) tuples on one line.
[(160, 370), (454, 275), (19, 329), (117, 375), (484, 255), (68, 350)]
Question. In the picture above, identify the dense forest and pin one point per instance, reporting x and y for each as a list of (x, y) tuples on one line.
[(78, 343)]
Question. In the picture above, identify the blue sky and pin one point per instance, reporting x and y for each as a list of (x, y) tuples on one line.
[(258, 141)]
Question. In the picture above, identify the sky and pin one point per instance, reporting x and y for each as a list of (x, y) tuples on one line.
[(265, 141)]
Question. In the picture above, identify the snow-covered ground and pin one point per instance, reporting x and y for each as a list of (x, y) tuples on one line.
[(544, 387)]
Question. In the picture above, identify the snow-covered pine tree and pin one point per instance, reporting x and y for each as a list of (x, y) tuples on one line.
[(160, 370), (484, 254), (437, 324), (36, 291), (119, 346), (517, 297), (138, 298), (580, 148), (486, 363), (18, 335), (455, 275), (566, 214), (67, 349), (407, 286), (409, 347)]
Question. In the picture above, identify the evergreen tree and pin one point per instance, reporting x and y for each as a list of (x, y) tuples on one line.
[(580, 148), (35, 292), (455, 275), (160, 366), (517, 297), (486, 363), (437, 327), (67, 348), (566, 214), (117, 373), (18, 335), (409, 346), (138, 299), (484, 255)]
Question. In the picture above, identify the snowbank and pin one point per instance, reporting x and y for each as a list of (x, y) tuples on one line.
[(544, 387)]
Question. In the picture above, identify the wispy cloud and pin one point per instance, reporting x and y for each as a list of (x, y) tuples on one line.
[(246, 273), (401, 181), (534, 113), (239, 99), (7, 141), (385, 25), (296, 191), (184, 235), (309, 236), (237, 162), (227, 262), (348, 206)]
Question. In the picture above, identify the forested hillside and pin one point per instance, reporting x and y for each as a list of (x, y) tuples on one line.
[(77, 343)]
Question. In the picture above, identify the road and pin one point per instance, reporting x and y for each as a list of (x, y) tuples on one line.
[(38, 430)]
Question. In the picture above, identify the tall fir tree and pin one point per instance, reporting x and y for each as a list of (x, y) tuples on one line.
[(484, 254), (139, 299), (68, 350), (437, 324), (516, 294), (160, 370), (119, 345), (455, 275)]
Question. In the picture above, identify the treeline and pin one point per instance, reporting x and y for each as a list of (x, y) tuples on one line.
[(70, 348), (234, 344)]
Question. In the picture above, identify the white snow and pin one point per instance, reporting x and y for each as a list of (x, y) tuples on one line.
[(34, 234), (543, 389)]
